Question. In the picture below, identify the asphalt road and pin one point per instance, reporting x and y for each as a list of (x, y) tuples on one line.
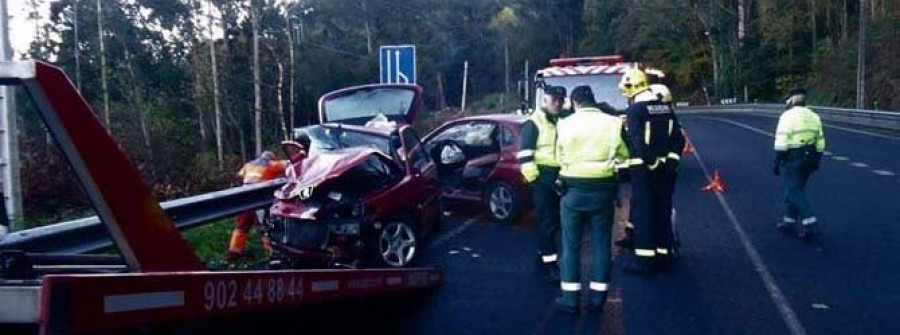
[(737, 274)]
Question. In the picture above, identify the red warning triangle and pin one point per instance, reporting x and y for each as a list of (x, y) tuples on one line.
[(688, 146), (716, 184)]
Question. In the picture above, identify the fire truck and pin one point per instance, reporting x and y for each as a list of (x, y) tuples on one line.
[(601, 73)]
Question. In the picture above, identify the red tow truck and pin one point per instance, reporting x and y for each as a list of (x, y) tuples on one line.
[(161, 279)]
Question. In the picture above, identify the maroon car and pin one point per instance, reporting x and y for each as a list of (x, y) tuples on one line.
[(367, 193), (491, 173)]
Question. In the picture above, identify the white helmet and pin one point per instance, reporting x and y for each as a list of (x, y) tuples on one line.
[(661, 92)]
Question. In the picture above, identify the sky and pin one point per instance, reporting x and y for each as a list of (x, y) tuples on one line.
[(21, 30)]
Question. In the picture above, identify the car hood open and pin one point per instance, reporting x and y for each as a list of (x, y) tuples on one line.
[(398, 103)]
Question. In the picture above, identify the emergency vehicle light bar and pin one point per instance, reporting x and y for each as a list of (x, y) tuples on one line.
[(596, 60)]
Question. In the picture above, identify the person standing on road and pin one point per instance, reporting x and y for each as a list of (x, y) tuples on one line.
[(655, 140), (589, 148), (537, 159), (799, 143)]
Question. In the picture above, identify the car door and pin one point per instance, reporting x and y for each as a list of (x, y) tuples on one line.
[(481, 145), (423, 180)]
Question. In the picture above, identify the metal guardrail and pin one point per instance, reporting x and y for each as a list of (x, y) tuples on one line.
[(870, 118), (90, 235)]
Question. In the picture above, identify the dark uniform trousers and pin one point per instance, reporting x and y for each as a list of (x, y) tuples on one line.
[(653, 189), (546, 205), (587, 208), (797, 168)]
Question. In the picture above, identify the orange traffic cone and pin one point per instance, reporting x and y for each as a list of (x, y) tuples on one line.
[(688, 146), (716, 185)]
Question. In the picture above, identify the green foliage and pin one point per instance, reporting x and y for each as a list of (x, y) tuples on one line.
[(210, 243), (786, 44), (160, 74)]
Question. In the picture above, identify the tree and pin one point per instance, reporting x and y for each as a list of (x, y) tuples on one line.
[(103, 80), (217, 110)]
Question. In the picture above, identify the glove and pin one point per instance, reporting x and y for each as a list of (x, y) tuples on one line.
[(779, 158), (530, 172)]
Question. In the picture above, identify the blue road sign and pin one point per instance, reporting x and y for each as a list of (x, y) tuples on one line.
[(398, 64)]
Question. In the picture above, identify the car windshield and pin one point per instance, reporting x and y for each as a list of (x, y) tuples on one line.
[(605, 88), (327, 138), (368, 103)]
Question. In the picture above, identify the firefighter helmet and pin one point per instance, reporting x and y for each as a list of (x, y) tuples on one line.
[(634, 81), (661, 92)]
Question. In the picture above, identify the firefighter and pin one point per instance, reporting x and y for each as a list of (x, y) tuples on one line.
[(537, 159), (799, 142), (655, 140), (664, 95), (263, 168), (590, 145)]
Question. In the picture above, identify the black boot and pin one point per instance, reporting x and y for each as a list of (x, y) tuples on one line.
[(639, 266), (808, 232), (786, 227), (664, 263), (565, 308), (597, 302)]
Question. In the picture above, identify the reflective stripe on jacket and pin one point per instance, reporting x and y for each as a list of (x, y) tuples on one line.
[(799, 127), (589, 144), (538, 147)]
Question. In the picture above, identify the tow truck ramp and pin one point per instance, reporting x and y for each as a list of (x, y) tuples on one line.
[(158, 279)]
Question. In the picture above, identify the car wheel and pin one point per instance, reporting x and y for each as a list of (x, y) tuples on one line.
[(397, 244), (502, 201)]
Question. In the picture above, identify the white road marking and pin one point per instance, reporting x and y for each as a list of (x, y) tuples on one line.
[(862, 132), (453, 252), (142, 301), (451, 234), (775, 293), (884, 173), (748, 127), (826, 153)]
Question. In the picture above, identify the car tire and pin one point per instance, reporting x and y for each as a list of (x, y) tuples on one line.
[(503, 202), (396, 245)]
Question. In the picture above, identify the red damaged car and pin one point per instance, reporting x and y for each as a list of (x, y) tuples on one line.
[(490, 174), (367, 193)]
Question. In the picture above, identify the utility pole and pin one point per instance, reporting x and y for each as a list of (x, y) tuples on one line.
[(861, 60), (465, 84), (527, 94), (9, 145)]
